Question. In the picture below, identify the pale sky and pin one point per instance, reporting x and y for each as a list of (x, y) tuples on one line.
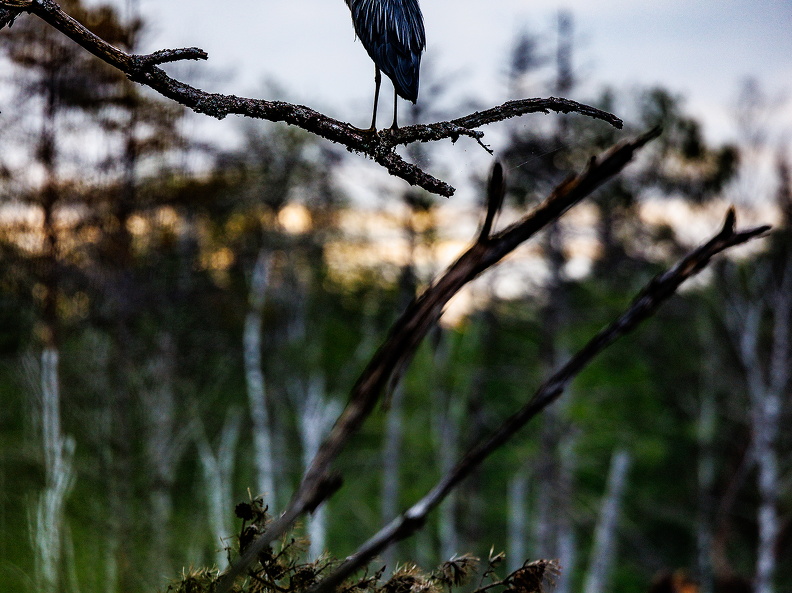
[(699, 48)]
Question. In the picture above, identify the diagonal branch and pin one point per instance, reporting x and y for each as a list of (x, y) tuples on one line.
[(377, 146), (421, 315), (660, 289)]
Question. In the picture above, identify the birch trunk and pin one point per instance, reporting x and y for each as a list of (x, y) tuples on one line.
[(48, 523), (256, 383), (317, 414), (767, 385), (603, 553), (218, 472), (163, 449)]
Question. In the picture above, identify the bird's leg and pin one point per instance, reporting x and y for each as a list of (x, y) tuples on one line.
[(394, 125), (377, 82)]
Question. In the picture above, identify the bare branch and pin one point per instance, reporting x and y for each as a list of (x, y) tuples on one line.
[(660, 289), (465, 126), (377, 146), (170, 55), (392, 358), (523, 106)]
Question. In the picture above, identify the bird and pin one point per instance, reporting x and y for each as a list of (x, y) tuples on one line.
[(392, 32)]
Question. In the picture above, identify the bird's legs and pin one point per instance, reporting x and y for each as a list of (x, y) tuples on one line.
[(377, 83), (394, 125)]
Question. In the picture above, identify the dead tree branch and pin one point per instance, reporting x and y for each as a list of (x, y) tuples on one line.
[(389, 362), (660, 289), (379, 146)]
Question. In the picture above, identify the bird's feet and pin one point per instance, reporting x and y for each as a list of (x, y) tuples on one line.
[(369, 130)]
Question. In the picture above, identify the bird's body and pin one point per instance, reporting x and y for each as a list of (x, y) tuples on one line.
[(392, 31)]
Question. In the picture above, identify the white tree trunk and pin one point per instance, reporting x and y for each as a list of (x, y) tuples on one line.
[(317, 413), (553, 531), (218, 472), (767, 385), (256, 383), (47, 524), (163, 446), (603, 553), (767, 417)]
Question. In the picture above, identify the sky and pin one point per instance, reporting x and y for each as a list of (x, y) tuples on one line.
[(701, 49)]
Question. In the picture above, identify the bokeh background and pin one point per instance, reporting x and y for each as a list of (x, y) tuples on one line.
[(185, 303)]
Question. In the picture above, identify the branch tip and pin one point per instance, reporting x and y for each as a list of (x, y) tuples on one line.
[(496, 190), (169, 55), (730, 222), (648, 136)]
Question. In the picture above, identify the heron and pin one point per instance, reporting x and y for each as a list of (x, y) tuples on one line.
[(392, 31)]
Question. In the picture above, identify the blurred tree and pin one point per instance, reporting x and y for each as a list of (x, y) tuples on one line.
[(682, 165), (65, 83), (757, 315)]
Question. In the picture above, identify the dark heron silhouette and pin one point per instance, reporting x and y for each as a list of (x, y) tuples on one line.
[(392, 31)]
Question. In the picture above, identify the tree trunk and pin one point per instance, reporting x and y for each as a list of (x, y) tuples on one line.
[(317, 414), (767, 385), (256, 383), (218, 471), (603, 553), (162, 448), (48, 524)]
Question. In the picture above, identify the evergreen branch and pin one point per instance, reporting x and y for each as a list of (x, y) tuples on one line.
[(378, 146), (645, 304), (388, 363)]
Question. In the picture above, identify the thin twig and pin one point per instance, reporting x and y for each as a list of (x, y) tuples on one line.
[(377, 146), (660, 289), (387, 365)]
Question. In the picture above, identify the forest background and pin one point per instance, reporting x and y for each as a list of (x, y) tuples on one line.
[(181, 321)]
